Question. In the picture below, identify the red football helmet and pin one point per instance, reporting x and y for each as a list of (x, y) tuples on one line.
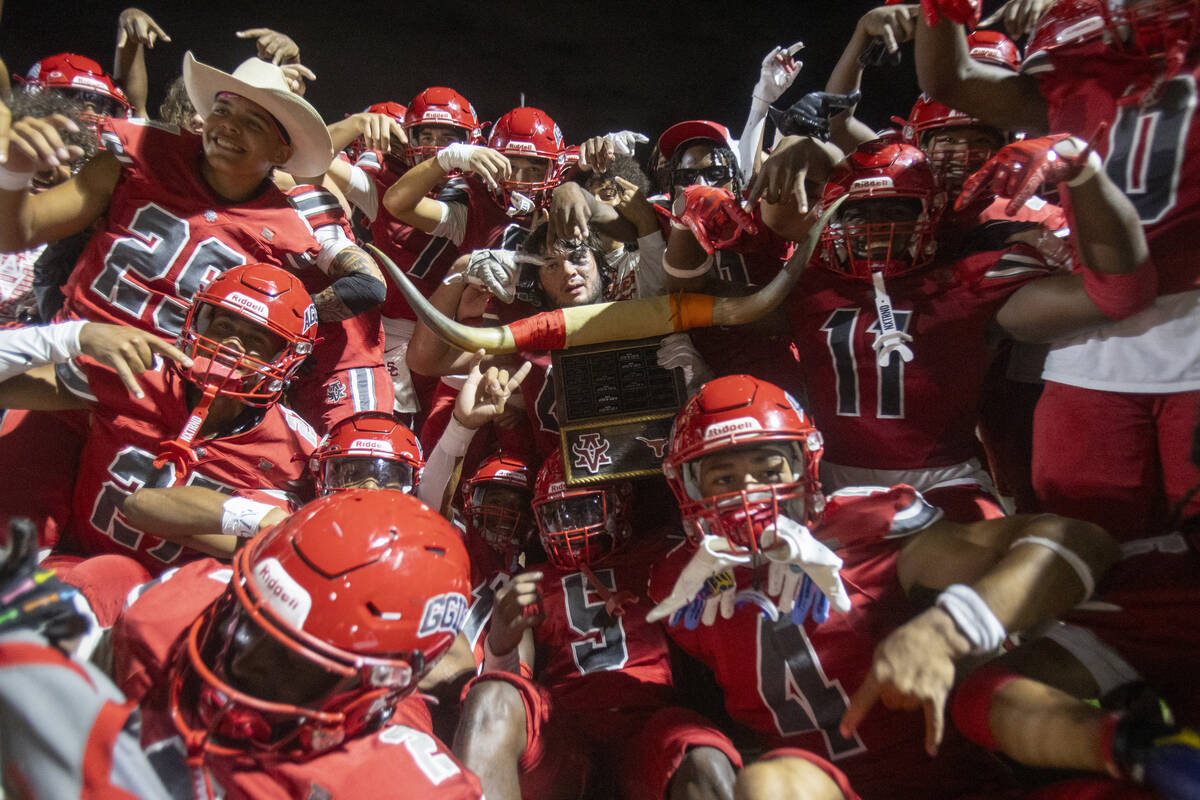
[(330, 619), (955, 155), (860, 243), (366, 447), (739, 411), (392, 109), (82, 77), (1151, 28), (439, 105), (993, 47), (496, 503), (580, 526), (529, 133), (276, 302)]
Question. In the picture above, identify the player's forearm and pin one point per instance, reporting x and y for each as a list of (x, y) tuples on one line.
[(16, 234), (345, 131), (998, 97), (129, 70), (1052, 564), (402, 197), (428, 353), (685, 262), (845, 130), (1105, 227), (357, 287)]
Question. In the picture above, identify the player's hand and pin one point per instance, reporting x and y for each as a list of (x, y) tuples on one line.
[(273, 46), (704, 587), (495, 271), (912, 668), (490, 165), (34, 144), (713, 216), (778, 72), (597, 152), (676, 351), (570, 213), (893, 25), (518, 608), (1020, 168), (378, 130), (960, 12), (272, 518), (1019, 17), (127, 350), (804, 574), (133, 23), (796, 159), (810, 115), (484, 395), (296, 75), (633, 206)]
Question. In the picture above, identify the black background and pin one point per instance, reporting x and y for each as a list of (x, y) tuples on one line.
[(594, 67)]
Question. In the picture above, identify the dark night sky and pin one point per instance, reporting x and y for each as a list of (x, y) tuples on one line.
[(593, 67)]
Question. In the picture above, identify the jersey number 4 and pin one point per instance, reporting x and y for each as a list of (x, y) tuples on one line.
[(134, 262), (840, 336)]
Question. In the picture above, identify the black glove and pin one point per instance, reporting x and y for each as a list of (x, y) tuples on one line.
[(809, 116), (34, 599), (876, 54)]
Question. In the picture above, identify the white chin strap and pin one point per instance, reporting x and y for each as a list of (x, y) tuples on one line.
[(519, 205), (890, 338)]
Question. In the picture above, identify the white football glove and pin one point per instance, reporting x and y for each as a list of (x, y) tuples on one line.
[(677, 350), (801, 569), (705, 587), (779, 70), (624, 143), (494, 270)]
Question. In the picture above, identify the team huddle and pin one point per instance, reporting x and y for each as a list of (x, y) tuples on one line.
[(416, 456)]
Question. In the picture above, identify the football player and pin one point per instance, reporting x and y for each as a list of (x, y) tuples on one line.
[(294, 673), (894, 330), (435, 118), (603, 677), (743, 463), (213, 421), (1095, 63)]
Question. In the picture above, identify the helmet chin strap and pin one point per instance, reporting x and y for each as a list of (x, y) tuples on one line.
[(178, 451), (890, 338)]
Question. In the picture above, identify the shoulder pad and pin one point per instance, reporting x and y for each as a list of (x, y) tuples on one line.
[(861, 514)]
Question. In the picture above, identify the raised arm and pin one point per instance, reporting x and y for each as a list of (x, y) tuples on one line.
[(136, 32), (997, 96), (408, 198)]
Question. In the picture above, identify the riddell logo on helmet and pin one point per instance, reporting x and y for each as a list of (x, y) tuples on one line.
[(256, 307), (512, 475), (283, 594), (436, 114), (869, 184), (370, 444), (89, 83), (521, 146), (739, 425)]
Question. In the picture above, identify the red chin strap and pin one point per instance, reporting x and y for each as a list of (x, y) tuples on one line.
[(179, 451)]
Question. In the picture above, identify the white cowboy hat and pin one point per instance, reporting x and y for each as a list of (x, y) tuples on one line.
[(263, 83)]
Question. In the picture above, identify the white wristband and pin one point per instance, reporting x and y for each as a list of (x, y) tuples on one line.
[(973, 618), (1093, 165), (509, 662), (696, 272), (1082, 570), (456, 156), (241, 516), (11, 181)]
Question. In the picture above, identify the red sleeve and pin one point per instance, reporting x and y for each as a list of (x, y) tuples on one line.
[(319, 207)]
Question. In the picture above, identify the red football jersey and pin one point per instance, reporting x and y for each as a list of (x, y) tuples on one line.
[(349, 343), (404, 752), (1152, 144), (126, 436), (424, 258), (488, 225), (590, 660), (166, 232), (906, 415), (489, 574), (791, 684)]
